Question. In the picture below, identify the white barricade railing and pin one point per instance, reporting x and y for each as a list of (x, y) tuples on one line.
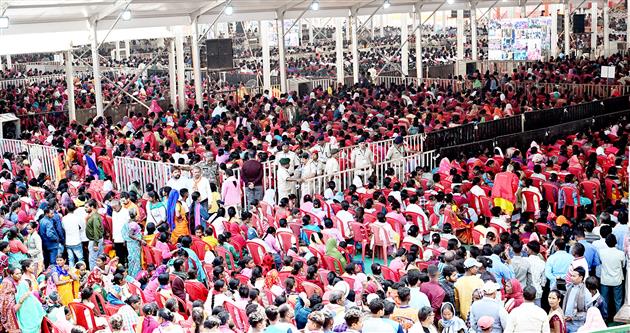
[(344, 178), (41, 158)]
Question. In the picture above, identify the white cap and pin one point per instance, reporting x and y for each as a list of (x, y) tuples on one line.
[(471, 262)]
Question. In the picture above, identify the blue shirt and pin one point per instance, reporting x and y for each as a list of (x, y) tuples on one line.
[(500, 270), (620, 231), (557, 266), (590, 254)]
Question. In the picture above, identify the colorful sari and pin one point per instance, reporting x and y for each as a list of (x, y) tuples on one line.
[(131, 232), (31, 312), (181, 223), (8, 319), (66, 291)]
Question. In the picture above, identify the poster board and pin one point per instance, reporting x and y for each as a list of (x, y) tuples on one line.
[(519, 39)]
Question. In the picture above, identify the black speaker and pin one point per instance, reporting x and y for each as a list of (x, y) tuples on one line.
[(471, 68), (578, 23), (220, 54)]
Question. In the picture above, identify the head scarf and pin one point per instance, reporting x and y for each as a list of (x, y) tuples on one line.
[(331, 250), (594, 321), (516, 294), (171, 205), (445, 166), (272, 279), (453, 325)]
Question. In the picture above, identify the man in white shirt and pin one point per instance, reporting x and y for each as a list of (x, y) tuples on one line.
[(345, 217), (294, 161), (362, 157), (476, 189), (71, 224), (120, 217), (612, 261), (528, 317), (200, 184), (537, 267), (332, 167), (178, 181)]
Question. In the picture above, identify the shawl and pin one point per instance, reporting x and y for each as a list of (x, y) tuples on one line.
[(594, 321), (516, 294), (171, 206), (332, 251), (455, 324)]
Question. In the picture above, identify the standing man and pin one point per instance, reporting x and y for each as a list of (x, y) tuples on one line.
[(612, 261), (294, 161), (521, 266), (286, 183), (310, 169), (94, 232), (491, 307), (252, 173), (50, 237), (396, 152), (577, 300), (120, 217), (200, 184), (72, 226), (528, 317), (362, 157), (433, 290), (177, 181), (466, 285), (332, 167)]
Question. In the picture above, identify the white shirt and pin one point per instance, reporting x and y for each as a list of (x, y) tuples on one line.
[(82, 214), (332, 166), (362, 158), (179, 183), (202, 186), (284, 186), (418, 299), (72, 226), (478, 191), (119, 219), (612, 264), (537, 268), (528, 318), (345, 217)]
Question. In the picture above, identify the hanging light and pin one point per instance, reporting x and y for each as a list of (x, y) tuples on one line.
[(4, 22), (315, 5), (126, 15), (229, 10), (450, 2), (386, 4)]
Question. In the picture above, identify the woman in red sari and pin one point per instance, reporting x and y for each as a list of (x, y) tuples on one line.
[(8, 290)]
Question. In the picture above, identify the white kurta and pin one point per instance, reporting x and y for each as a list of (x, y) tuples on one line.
[(285, 187)]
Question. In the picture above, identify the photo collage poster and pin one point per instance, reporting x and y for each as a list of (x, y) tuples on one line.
[(519, 39)]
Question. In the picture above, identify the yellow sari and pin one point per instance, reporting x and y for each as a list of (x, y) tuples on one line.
[(68, 292), (181, 223)]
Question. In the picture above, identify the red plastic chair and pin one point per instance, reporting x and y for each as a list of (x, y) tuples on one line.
[(612, 190), (84, 317), (360, 236), (543, 228), (110, 309), (550, 193), (407, 246), (196, 291), (239, 317), (419, 220), (137, 291), (591, 190), (477, 236), (350, 281), (333, 264), (323, 275), (569, 205), (379, 241), (531, 201), (296, 228), (312, 289), (257, 251), (222, 252), (389, 274), (49, 327), (499, 228), (369, 218), (287, 240), (317, 253)]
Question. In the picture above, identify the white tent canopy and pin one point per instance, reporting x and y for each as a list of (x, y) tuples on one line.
[(54, 25)]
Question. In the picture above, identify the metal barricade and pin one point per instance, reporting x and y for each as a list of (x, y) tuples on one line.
[(41, 158)]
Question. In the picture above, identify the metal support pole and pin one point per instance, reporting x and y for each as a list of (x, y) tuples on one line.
[(404, 41), (594, 13), (172, 74), (281, 51), (419, 54), (9, 64), (196, 62), (70, 86), (266, 58), (473, 32), (311, 37), (567, 31), (96, 70), (117, 51), (355, 48), (606, 29), (461, 37), (554, 30), (127, 49), (181, 71), (339, 50)]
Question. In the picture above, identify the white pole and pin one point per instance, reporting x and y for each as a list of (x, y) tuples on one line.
[(70, 85), (311, 32), (404, 37), (419, 43), (264, 41), (117, 51), (554, 30), (127, 49), (461, 38), (281, 51), (339, 49), (96, 70), (594, 13), (383, 24), (172, 75), (181, 71), (473, 32), (355, 48), (196, 62), (9, 64), (567, 33), (606, 30)]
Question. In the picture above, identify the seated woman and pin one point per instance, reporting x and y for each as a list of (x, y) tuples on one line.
[(119, 291), (86, 296)]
